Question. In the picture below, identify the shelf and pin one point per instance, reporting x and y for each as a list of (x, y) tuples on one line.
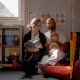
[(6, 65), (10, 46), (11, 30)]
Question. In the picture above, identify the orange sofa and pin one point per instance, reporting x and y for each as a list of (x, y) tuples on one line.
[(62, 72)]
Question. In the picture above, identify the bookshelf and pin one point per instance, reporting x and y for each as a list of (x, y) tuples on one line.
[(7, 44)]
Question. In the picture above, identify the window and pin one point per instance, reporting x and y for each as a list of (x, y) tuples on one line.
[(12, 11)]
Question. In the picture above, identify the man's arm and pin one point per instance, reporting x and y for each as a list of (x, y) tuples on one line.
[(64, 46)]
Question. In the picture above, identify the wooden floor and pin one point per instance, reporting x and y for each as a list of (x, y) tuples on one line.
[(14, 74)]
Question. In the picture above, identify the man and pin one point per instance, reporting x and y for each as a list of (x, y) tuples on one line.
[(51, 24), (57, 53)]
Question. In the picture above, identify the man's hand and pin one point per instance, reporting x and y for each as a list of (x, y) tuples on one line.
[(64, 46)]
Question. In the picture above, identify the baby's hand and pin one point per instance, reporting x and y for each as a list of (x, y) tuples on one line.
[(51, 51), (47, 45)]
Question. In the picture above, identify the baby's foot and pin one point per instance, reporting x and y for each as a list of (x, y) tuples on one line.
[(42, 67)]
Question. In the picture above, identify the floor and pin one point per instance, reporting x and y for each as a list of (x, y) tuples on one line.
[(19, 75)]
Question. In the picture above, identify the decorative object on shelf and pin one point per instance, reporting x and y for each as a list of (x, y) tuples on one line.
[(13, 52), (1, 67), (16, 42), (13, 55), (15, 64), (10, 40)]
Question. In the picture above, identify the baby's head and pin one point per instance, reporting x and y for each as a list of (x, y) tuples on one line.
[(54, 37), (53, 46)]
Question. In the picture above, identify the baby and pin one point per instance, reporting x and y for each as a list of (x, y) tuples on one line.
[(54, 43), (55, 53)]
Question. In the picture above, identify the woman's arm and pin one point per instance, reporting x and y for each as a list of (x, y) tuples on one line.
[(32, 49)]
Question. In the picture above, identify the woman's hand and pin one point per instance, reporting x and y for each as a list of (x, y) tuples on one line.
[(33, 49)]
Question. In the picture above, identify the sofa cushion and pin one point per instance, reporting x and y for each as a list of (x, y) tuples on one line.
[(62, 72), (76, 70)]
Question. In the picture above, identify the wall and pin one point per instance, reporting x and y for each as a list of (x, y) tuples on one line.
[(51, 6), (76, 27)]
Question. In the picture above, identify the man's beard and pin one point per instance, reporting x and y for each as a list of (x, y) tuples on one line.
[(52, 27)]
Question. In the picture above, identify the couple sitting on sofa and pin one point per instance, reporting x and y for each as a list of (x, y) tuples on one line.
[(55, 51)]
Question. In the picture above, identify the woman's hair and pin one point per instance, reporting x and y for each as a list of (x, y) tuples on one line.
[(33, 22)]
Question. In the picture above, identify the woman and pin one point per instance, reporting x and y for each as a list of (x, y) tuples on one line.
[(33, 54)]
